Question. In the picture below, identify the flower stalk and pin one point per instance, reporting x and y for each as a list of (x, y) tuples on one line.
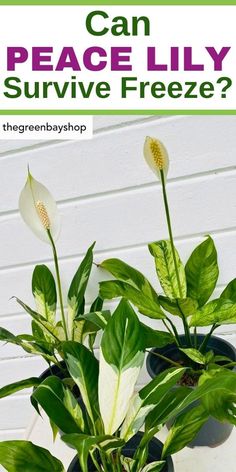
[(167, 212), (170, 230), (58, 282), (157, 158)]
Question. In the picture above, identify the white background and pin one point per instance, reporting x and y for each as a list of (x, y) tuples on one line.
[(106, 192), (195, 26)]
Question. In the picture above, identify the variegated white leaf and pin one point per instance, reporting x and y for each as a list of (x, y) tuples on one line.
[(155, 466), (115, 391)]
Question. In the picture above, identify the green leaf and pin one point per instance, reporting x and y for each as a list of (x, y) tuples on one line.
[(42, 337), (121, 358), (91, 341), (222, 383), (105, 442), (82, 329), (202, 271), (78, 327), (219, 311), (78, 287), (184, 430), (60, 405), (8, 337), (24, 456), (176, 401), (146, 399), (194, 354), (89, 324), (221, 406), (115, 288), (83, 368), (55, 429), (127, 463), (98, 318), (17, 386), (210, 357), (44, 292), (179, 306), (11, 338), (156, 466), (165, 267), (47, 327), (132, 285), (36, 349), (83, 444), (30, 347), (229, 292), (154, 338), (220, 358), (163, 410), (97, 305), (86, 329)]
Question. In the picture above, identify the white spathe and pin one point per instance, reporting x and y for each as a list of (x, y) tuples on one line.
[(115, 389), (32, 193), (156, 156)]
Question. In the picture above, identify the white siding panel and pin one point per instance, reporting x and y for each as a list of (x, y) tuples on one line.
[(15, 412), (16, 369), (113, 160), (130, 218), (11, 435)]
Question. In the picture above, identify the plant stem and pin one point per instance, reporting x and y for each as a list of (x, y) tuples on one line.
[(170, 231), (167, 327), (98, 468), (103, 459), (230, 364), (203, 346), (185, 324), (118, 456), (58, 282), (178, 342), (195, 337), (186, 328), (170, 361)]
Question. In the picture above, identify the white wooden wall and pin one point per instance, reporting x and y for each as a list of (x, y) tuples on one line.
[(105, 192)]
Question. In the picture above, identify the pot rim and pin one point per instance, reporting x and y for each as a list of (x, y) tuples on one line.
[(169, 346), (159, 444)]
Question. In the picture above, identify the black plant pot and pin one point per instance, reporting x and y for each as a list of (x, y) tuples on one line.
[(62, 373), (154, 454), (213, 432)]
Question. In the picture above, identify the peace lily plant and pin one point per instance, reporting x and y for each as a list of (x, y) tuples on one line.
[(39, 211), (187, 290), (114, 412)]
